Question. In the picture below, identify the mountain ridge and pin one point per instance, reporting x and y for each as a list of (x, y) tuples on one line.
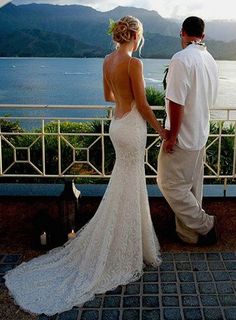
[(84, 30)]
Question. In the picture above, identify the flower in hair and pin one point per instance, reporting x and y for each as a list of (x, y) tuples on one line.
[(112, 25)]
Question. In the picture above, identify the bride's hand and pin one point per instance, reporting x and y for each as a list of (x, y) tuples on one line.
[(168, 145), (165, 134)]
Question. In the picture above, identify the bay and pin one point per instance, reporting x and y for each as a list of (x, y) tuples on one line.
[(78, 81)]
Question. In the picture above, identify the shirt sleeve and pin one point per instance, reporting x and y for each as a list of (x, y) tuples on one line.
[(177, 82)]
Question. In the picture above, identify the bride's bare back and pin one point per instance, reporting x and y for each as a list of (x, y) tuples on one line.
[(117, 77)]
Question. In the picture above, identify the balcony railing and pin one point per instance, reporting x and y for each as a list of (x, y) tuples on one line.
[(42, 146)]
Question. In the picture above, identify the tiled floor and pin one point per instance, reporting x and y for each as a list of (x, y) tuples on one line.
[(187, 286)]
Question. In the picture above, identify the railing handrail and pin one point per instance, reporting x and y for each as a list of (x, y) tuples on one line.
[(84, 106)]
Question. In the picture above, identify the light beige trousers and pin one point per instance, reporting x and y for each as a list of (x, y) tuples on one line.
[(180, 179)]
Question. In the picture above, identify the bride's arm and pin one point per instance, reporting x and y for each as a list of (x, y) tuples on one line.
[(108, 93), (137, 81)]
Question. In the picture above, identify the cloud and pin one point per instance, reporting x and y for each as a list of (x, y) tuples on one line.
[(100, 5), (3, 2), (177, 9), (91, 3), (210, 9)]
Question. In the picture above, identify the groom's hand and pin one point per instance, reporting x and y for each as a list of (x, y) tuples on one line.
[(165, 134), (169, 144)]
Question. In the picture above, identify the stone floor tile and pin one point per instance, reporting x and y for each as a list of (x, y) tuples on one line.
[(181, 257), (172, 314), (132, 314), (228, 255), (167, 266), (185, 276), (199, 266), (188, 288), (234, 284), (230, 265), (206, 287), (150, 288), (151, 314), (131, 302), (221, 276), (203, 276), (168, 277), (233, 275), (192, 314), (6, 267), (190, 301), (167, 256), (44, 317), (132, 289), (169, 288), (11, 258), (71, 315), (196, 256), (212, 314), (150, 302), (110, 314), (213, 256), (150, 268), (209, 300), (150, 277), (112, 302), (230, 313), (95, 303), (88, 315), (116, 291), (228, 300), (216, 265), (2, 280), (183, 266), (170, 301), (224, 287)]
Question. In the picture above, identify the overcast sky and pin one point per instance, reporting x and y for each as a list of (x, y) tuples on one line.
[(207, 9)]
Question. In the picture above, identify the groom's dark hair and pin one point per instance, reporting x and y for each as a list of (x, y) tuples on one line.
[(193, 26)]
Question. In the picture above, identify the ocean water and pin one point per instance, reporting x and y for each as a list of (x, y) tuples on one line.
[(78, 81)]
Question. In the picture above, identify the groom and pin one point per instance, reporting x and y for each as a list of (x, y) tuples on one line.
[(192, 83)]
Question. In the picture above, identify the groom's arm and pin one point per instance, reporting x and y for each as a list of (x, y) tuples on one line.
[(176, 112)]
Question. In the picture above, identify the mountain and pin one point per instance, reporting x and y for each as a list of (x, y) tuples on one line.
[(152, 21), (223, 30), (78, 31), (35, 42)]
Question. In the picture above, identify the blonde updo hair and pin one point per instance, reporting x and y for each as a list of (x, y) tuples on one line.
[(125, 28)]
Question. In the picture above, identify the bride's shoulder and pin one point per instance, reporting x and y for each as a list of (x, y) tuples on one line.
[(135, 63), (136, 60), (107, 57)]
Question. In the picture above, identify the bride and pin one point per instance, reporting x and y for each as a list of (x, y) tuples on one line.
[(111, 249)]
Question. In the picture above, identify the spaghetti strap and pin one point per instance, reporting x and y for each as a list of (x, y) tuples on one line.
[(129, 65)]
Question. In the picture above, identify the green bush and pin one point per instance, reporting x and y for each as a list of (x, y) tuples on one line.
[(227, 148), (156, 98)]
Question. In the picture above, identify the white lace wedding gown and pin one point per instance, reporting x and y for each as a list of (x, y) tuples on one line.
[(107, 252)]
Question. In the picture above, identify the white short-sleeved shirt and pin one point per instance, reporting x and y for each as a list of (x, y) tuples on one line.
[(192, 81)]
